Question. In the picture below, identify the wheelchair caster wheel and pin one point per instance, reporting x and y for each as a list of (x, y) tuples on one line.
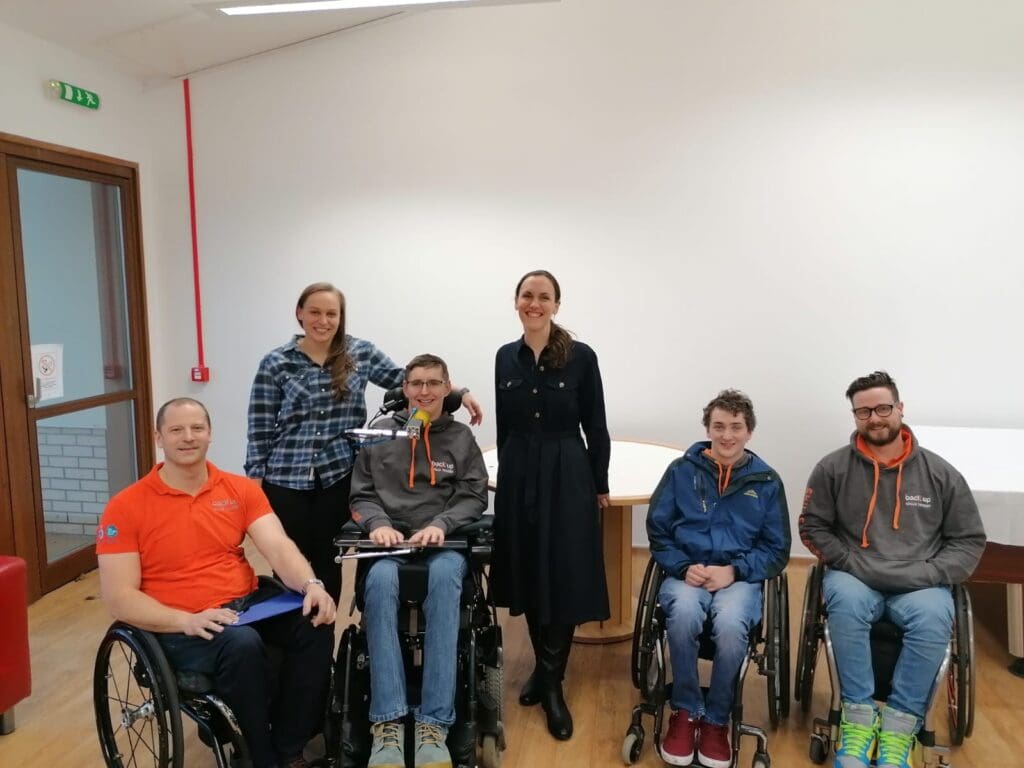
[(761, 760), (818, 750), (490, 752), (632, 745)]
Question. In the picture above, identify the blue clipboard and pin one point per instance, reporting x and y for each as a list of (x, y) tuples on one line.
[(276, 605)]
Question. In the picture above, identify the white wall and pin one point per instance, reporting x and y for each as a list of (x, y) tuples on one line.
[(133, 123), (775, 196)]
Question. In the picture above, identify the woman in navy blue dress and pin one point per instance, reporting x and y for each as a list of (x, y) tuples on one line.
[(548, 559)]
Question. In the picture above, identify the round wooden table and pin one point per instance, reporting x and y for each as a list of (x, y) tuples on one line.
[(633, 474)]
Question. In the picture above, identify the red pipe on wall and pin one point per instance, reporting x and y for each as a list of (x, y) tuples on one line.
[(200, 372)]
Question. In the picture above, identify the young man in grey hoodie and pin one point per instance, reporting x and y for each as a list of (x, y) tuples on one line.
[(895, 526), (429, 484)]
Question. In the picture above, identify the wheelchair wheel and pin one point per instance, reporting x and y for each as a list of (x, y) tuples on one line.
[(632, 745), (490, 752), (807, 648), (776, 650), (490, 691), (136, 702), (642, 621), (960, 678)]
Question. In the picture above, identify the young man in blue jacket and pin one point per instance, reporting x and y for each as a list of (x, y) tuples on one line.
[(718, 525)]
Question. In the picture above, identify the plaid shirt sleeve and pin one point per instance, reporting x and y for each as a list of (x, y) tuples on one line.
[(382, 370)]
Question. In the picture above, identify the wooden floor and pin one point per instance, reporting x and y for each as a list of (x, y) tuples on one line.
[(55, 726)]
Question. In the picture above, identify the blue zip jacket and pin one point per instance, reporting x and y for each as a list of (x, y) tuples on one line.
[(746, 526)]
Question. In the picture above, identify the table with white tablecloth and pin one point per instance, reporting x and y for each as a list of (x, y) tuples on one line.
[(992, 462)]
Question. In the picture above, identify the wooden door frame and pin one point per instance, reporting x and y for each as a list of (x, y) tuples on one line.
[(19, 429)]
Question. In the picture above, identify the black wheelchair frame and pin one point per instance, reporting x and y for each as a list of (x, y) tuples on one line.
[(139, 700), (478, 697), (957, 668), (768, 649)]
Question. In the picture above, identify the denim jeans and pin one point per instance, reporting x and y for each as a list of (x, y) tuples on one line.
[(440, 646), (275, 723), (734, 611), (924, 615)]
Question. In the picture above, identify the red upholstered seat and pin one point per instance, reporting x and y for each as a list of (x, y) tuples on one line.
[(15, 674)]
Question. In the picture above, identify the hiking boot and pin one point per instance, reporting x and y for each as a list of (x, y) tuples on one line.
[(897, 736), (431, 750), (388, 750), (677, 746), (714, 750), (858, 736)]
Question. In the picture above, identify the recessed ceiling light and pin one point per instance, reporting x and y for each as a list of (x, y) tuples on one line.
[(324, 5)]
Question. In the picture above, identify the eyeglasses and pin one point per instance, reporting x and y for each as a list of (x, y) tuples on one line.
[(432, 384), (881, 410)]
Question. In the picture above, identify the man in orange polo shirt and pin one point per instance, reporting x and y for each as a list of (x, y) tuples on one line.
[(171, 562)]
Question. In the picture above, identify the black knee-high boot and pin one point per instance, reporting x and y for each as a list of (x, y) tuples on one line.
[(530, 693), (556, 643)]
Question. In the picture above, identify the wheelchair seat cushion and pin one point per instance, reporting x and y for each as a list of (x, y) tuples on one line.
[(192, 682)]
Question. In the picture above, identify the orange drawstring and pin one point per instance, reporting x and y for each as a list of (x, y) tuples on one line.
[(412, 458), (896, 512), (871, 508), (430, 461), (412, 462)]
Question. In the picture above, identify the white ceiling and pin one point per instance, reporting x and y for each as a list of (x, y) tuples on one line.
[(159, 39)]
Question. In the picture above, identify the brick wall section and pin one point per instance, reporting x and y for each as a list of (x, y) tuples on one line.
[(73, 472)]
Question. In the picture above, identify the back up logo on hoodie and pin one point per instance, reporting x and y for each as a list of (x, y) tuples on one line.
[(447, 467), (917, 500)]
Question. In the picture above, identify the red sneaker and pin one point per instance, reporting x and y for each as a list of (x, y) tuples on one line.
[(714, 750), (677, 746)]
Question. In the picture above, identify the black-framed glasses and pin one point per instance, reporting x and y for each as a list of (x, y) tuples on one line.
[(431, 384), (863, 414)]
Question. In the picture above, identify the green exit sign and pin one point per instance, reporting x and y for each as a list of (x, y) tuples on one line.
[(75, 95)]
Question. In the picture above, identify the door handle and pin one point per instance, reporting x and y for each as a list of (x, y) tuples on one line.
[(34, 395)]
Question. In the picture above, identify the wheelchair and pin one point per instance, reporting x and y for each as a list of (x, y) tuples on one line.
[(478, 695), (139, 700), (649, 666), (957, 669)]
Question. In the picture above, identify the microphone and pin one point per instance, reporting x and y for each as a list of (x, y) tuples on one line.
[(418, 420)]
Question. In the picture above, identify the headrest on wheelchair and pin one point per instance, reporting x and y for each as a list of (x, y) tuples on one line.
[(395, 400)]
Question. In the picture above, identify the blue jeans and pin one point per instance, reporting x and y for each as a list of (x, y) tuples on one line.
[(734, 611), (924, 615), (440, 646)]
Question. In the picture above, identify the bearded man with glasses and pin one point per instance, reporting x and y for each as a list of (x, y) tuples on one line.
[(895, 526)]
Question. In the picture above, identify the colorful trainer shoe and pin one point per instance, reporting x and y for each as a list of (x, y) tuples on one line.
[(388, 749), (897, 736), (431, 750), (677, 746), (714, 750), (858, 736)]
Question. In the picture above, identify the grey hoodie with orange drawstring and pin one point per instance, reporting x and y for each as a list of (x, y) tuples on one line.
[(439, 479), (901, 525)]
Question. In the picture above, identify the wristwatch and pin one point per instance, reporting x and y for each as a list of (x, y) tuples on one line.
[(306, 585)]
